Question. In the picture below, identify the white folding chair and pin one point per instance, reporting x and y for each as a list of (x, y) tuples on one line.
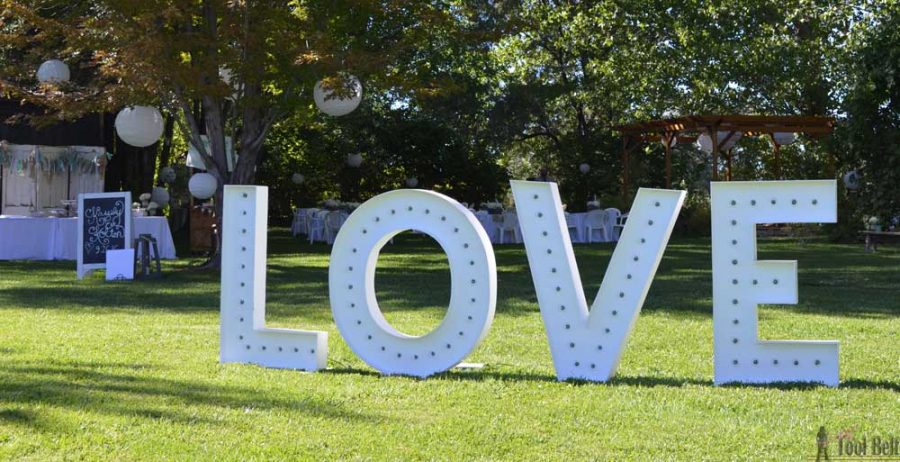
[(614, 227), (299, 224), (317, 225), (307, 220), (572, 224), (595, 220), (333, 223), (509, 223)]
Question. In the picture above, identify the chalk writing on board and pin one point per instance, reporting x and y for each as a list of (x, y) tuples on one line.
[(105, 228)]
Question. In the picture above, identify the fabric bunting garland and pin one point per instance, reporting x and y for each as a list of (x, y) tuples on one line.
[(67, 160)]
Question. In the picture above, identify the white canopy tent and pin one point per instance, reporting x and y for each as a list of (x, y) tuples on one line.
[(35, 178)]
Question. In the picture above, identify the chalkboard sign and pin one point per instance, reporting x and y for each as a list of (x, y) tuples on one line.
[(104, 223)]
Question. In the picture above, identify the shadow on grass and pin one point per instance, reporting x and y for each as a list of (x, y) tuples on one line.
[(630, 381), (414, 275), (82, 387)]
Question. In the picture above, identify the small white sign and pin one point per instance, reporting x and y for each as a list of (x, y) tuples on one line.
[(120, 265)]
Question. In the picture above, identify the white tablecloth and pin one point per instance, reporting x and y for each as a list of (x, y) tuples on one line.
[(25, 238)]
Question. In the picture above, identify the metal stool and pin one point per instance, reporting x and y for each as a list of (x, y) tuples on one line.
[(143, 256)]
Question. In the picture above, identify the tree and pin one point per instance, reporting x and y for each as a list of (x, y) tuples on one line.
[(870, 141), (177, 52), (576, 69)]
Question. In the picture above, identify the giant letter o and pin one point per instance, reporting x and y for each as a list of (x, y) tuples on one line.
[(473, 280)]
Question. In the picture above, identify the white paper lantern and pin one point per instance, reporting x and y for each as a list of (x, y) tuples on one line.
[(354, 160), (167, 175), (139, 126), (160, 196), (705, 141), (412, 182), (202, 185), (334, 105), (298, 178), (783, 138), (584, 168), (53, 71), (851, 179)]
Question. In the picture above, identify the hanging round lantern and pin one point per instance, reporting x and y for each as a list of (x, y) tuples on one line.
[(705, 141), (412, 182), (335, 105), (139, 126), (160, 195), (167, 175), (783, 138), (202, 185), (53, 71), (584, 168), (851, 180), (298, 178), (354, 160)]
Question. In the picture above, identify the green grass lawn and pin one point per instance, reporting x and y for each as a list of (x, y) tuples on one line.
[(129, 371)]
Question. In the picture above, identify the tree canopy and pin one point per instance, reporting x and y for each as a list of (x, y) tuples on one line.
[(464, 94)]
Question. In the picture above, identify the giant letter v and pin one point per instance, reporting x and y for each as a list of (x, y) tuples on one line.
[(588, 344)]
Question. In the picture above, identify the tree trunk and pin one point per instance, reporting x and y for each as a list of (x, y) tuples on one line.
[(165, 154)]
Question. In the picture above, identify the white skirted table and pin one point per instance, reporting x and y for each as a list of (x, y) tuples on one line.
[(26, 238), (491, 224)]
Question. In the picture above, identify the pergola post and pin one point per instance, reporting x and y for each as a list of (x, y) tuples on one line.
[(625, 167), (777, 150), (728, 165), (714, 139), (667, 142)]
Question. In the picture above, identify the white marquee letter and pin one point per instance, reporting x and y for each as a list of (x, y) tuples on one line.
[(473, 279), (585, 344), (740, 282), (244, 335)]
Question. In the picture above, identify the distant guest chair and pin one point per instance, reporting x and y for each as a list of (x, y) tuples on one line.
[(572, 225), (317, 226), (300, 224), (333, 223), (509, 223), (614, 217), (596, 221)]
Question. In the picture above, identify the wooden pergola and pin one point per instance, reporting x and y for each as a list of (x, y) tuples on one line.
[(686, 130)]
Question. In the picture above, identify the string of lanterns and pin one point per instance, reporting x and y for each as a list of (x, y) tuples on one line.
[(142, 126)]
